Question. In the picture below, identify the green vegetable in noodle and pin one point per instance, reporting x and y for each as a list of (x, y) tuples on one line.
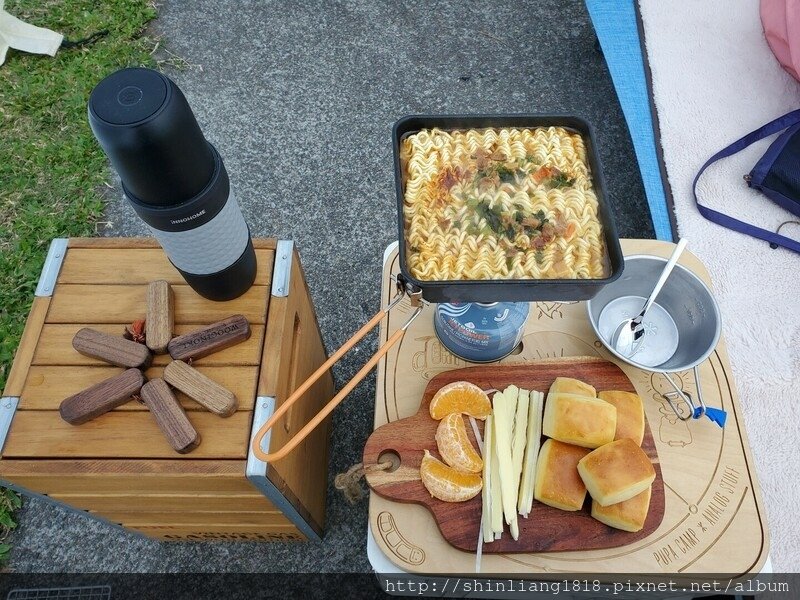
[(561, 181)]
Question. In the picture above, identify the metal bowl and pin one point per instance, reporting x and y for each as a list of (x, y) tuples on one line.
[(681, 329)]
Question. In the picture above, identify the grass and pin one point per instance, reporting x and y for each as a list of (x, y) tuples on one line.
[(9, 503), (53, 175)]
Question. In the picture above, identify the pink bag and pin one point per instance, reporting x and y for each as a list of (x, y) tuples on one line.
[(781, 20)]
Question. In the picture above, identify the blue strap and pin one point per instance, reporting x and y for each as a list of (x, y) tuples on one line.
[(719, 218), (717, 415)]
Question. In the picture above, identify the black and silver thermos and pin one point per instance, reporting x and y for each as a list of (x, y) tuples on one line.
[(174, 179)]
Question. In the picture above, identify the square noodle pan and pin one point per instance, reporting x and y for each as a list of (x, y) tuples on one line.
[(510, 290)]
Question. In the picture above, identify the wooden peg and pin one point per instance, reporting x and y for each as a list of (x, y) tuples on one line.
[(217, 336), (200, 388), (160, 319), (101, 397), (112, 349), (170, 416)]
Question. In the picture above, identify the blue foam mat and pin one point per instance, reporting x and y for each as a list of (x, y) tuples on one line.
[(617, 30)]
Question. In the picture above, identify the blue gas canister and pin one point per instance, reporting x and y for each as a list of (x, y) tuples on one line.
[(481, 331)]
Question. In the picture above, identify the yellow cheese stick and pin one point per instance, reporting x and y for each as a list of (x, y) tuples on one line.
[(531, 453), (497, 502), (520, 430), (509, 476), (518, 450), (486, 520), (503, 423)]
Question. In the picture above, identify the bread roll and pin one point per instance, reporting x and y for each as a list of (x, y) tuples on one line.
[(557, 481), (630, 414), (628, 515), (568, 385), (579, 420), (616, 472)]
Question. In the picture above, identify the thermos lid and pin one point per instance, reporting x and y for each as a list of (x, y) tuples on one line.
[(129, 96), (147, 129)]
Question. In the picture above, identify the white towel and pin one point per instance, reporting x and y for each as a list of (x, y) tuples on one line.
[(28, 38), (714, 80)]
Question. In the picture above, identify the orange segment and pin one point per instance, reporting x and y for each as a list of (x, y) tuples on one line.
[(445, 483), (454, 445), (460, 397)]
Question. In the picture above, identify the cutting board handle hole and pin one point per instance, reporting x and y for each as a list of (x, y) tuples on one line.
[(517, 349), (392, 457)]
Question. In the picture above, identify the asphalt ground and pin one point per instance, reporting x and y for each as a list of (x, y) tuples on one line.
[(300, 98)]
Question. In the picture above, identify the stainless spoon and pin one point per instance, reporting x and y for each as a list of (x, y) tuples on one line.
[(631, 331)]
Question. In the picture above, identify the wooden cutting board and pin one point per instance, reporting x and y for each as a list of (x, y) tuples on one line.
[(547, 529)]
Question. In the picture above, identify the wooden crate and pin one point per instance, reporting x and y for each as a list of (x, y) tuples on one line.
[(119, 467)]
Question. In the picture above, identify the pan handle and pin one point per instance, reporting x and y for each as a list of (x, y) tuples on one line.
[(328, 408)]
